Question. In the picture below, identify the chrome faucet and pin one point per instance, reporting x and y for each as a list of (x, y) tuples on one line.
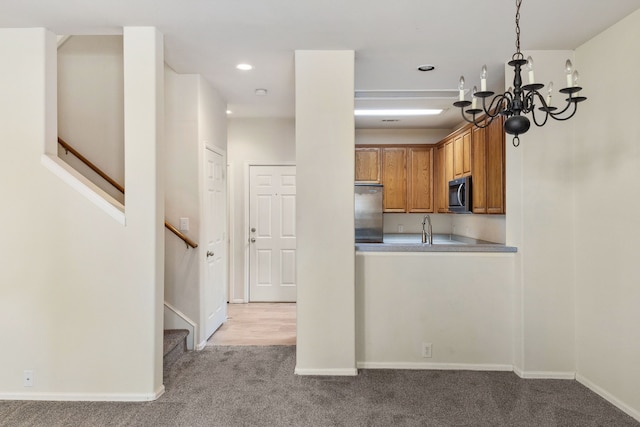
[(425, 233)]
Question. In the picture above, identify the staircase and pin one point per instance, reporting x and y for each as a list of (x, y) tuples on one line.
[(175, 345)]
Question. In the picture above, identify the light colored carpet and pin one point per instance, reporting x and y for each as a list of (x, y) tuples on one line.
[(255, 386)]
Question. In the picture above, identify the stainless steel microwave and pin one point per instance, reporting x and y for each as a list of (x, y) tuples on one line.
[(460, 195)]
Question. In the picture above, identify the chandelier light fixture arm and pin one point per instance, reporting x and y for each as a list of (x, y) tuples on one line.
[(520, 100)]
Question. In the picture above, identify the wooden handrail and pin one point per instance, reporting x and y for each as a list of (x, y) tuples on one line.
[(120, 188), (93, 167), (178, 233)]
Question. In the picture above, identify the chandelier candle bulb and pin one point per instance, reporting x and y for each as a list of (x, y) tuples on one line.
[(483, 79), (474, 99), (568, 69), (530, 69), (461, 88)]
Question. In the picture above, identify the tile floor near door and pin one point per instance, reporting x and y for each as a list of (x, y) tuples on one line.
[(257, 324)]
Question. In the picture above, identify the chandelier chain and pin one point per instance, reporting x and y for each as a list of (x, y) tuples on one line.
[(518, 54)]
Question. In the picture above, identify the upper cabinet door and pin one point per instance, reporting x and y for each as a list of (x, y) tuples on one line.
[(394, 179), (368, 165), (495, 140), (479, 167), (462, 154), (420, 181)]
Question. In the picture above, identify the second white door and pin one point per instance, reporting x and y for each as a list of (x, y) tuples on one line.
[(216, 247), (272, 234)]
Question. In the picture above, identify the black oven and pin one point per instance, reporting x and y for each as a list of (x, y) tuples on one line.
[(460, 195)]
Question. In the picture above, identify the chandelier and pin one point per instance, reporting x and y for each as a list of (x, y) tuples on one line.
[(519, 99)]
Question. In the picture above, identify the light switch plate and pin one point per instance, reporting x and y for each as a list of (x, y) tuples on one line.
[(184, 224)]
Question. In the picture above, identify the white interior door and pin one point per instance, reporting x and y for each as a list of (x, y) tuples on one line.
[(216, 248), (272, 235)]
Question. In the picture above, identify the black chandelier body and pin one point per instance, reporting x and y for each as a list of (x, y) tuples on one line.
[(521, 99)]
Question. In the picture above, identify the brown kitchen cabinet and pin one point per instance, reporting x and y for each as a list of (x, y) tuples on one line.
[(495, 167), (479, 167), (406, 173), (439, 188), (445, 172), (462, 153), (368, 165), (420, 181), (394, 179), (479, 152), (488, 166)]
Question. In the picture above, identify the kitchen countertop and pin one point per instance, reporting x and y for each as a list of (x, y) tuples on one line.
[(409, 242)]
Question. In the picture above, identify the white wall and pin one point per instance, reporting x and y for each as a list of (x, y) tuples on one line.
[(406, 299), (540, 224), (81, 294), (606, 222), (90, 106), (195, 116), (182, 198), (252, 140), (324, 212)]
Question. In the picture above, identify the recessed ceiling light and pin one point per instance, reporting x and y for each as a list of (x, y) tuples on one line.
[(229, 112), (244, 67), (261, 92), (413, 112), (426, 67)]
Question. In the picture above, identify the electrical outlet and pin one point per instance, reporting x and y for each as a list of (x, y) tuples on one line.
[(426, 349), (400, 228), (28, 378)]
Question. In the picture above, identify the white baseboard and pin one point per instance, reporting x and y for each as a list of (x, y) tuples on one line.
[(86, 397), (202, 345), (343, 372), (635, 413), (238, 301), (544, 375), (435, 366)]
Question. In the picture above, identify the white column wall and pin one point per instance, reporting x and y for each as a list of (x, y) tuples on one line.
[(324, 212), (144, 167), (607, 228), (540, 223), (80, 301)]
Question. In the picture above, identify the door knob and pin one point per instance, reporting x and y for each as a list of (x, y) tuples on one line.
[(253, 229), (209, 253), (253, 240)]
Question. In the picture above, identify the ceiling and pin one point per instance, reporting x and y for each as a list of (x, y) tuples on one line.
[(390, 39)]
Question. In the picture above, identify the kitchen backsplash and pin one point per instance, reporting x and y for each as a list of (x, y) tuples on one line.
[(485, 227)]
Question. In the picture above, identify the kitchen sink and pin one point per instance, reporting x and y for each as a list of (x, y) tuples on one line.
[(410, 238)]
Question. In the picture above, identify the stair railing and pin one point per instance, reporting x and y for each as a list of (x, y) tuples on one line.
[(69, 149)]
